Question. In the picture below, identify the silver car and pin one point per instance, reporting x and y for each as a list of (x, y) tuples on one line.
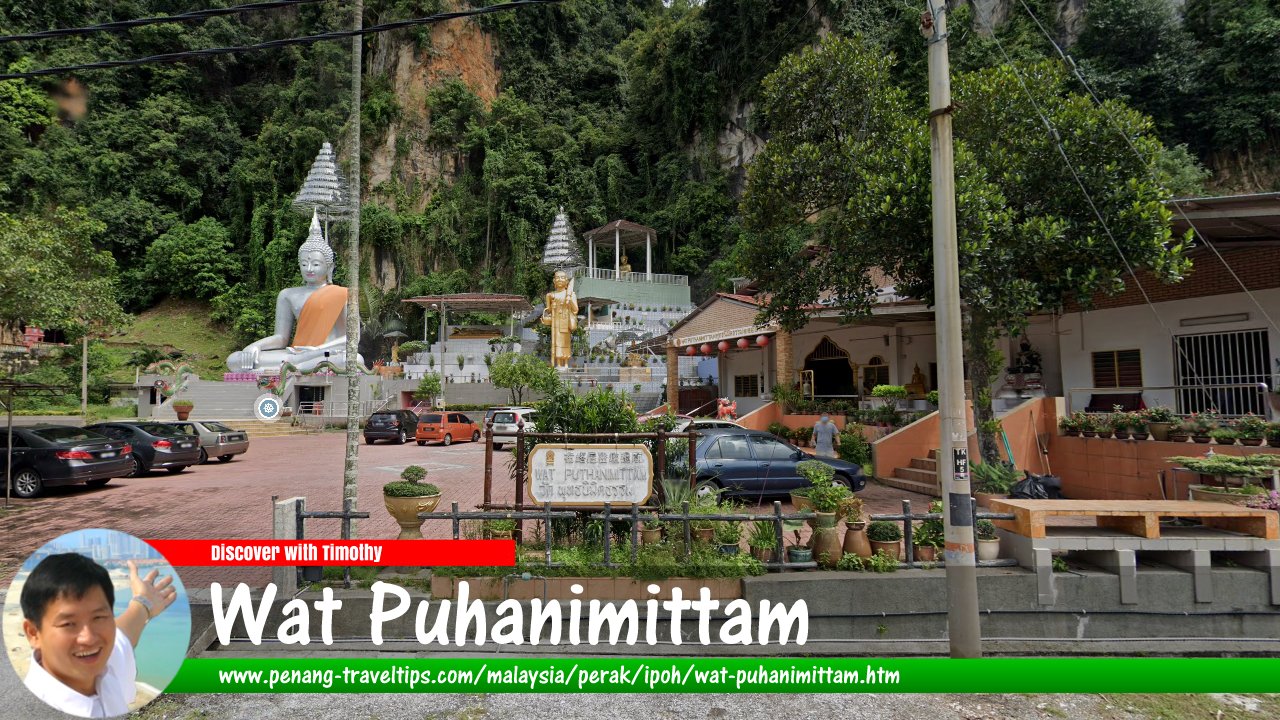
[(216, 439), (504, 424)]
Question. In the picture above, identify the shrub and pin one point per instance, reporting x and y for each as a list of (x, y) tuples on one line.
[(932, 397), (884, 531), (1251, 427), (987, 530), (762, 535), (815, 471), (410, 484), (995, 478), (1159, 414), (854, 446), (889, 392), (182, 404)]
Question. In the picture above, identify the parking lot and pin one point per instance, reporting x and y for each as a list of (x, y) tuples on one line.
[(233, 500)]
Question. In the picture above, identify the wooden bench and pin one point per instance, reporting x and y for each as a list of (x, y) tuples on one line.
[(1140, 518)]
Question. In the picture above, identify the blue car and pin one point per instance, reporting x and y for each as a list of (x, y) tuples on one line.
[(754, 463)]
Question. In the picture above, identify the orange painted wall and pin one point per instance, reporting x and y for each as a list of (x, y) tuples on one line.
[(762, 417), (1110, 469), (1022, 425)]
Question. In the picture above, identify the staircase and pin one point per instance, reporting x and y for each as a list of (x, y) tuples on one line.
[(921, 477), (213, 400), (281, 428)]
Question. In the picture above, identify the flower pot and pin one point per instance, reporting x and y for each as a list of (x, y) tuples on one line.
[(1251, 442), (1089, 433), (1139, 435), (1202, 439), (824, 520), (925, 553), (800, 502), (827, 546), (650, 536), (1209, 493), (1071, 433), (989, 549), (1178, 437), (1120, 434), (704, 535), (797, 554), (855, 540), (892, 547), (183, 412), (984, 499), (1159, 431), (728, 549), (764, 555), (405, 511)]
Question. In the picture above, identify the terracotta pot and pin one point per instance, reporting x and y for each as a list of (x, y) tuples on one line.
[(984, 499), (1211, 494), (989, 549), (800, 503), (650, 536), (855, 540), (405, 511), (893, 547), (1159, 431), (824, 520), (183, 412), (925, 553), (764, 555), (704, 536), (827, 547)]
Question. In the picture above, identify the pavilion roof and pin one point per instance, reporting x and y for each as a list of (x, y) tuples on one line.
[(477, 302), (629, 234)]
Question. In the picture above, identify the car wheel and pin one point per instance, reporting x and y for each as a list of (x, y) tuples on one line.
[(138, 469), (497, 446), (175, 470), (475, 436), (204, 457), (402, 439), (368, 441), (842, 479), (225, 458), (707, 488), (421, 443), (27, 483), (448, 440), (97, 483)]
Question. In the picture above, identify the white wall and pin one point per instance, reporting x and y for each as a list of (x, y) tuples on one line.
[(747, 362), (1136, 327)]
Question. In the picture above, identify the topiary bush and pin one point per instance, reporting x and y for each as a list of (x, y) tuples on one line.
[(410, 484)]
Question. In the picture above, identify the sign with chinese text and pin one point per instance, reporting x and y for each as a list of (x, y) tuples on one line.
[(570, 474)]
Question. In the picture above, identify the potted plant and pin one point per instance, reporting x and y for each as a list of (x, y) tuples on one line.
[(992, 481), (800, 499), (727, 535), (1273, 434), (890, 394), (1116, 425), (182, 407), (988, 541), (1160, 420), (827, 498), (797, 553), (928, 537), (1137, 424), (1251, 430), (651, 533), (802, 436), (855, 535), (703, 530), (1224, 436), (503, 529), (1180, 432), (1200, 426), (1088, 425), (931, 397), (1070, 424), (407, 497), (762, 540), (885, 536)]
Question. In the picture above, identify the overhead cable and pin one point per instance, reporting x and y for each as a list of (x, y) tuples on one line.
[(122, 25)]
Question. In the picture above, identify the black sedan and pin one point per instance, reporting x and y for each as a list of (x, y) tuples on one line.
[(754, 463), (156, 445), (398, 426), (49, 455)]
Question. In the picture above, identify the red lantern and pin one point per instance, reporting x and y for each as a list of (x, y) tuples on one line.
[(706, 349), (690, 350), (762, 341), (723, 346), (743, 344)]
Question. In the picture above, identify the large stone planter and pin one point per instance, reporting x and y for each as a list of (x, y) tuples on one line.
[(1210, 493), (1159, 431), (405, 511)]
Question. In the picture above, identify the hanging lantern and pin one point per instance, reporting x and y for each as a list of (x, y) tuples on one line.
[(723, 346), (762, 341), (743, 344), (690, 350), (706, 349)]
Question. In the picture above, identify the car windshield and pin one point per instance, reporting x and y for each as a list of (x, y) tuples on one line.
[(429, 419), (217, 427), (158, 429), (504, 418), (67, 434)]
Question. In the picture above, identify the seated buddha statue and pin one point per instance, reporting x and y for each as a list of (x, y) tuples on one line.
[(623, 265), (311, 320), (916, 388)]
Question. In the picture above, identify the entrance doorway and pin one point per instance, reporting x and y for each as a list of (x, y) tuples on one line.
[(832, 370)]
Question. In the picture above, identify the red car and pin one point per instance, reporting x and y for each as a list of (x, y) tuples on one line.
[(445, 427)]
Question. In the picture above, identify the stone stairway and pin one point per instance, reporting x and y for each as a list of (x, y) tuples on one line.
[(213, 400), (258, 429), (921, 477)]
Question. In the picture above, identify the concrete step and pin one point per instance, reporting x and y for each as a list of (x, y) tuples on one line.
[(933, 454), (928, 477), (930, 489), (924, 464)]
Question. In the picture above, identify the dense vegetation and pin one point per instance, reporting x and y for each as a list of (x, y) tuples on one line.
[(611, 109)]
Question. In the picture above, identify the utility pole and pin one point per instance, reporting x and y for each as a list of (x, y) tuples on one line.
[(953, 461), (350, 470), (84, 377)]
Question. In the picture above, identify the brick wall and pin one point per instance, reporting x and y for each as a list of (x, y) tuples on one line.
[(1257, 267)]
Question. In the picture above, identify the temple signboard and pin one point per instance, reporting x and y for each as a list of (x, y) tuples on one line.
[(590, 475)]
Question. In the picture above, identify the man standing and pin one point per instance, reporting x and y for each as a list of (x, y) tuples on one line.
[(826, 437)]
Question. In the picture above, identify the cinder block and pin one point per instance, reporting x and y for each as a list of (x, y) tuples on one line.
[(1198, 563), (1045, 590), (1179, 544), (1124, 563), (1099, 543)]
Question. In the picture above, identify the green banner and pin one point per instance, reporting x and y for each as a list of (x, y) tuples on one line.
[(708, 674)]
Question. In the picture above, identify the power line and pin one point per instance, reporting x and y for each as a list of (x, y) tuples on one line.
[(121, 25), (1057, 141), (272, 44), (1075, 69)]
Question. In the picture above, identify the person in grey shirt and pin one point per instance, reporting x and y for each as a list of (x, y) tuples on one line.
[(826, 437)]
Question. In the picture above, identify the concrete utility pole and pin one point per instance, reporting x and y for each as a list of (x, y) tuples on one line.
[(84, 377), (350, 471), (953, 461)]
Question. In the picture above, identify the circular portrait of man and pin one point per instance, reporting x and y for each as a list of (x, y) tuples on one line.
[(96, 623)]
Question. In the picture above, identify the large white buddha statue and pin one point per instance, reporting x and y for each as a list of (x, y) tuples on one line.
[(311, 320)]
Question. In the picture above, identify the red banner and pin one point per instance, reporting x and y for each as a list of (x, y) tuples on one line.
[(413, 553)]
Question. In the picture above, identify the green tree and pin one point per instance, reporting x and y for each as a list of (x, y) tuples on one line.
[(193, 261), (846, 177), (517, 372), (428, 388), (52, 275)]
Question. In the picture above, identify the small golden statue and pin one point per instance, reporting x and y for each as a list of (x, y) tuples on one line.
[(916, 388), (634, 360), (623, 265), (561, 314)]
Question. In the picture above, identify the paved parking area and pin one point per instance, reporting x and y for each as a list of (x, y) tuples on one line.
[(233, 500)]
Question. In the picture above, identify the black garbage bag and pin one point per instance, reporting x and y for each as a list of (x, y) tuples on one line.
[(1037, 487)]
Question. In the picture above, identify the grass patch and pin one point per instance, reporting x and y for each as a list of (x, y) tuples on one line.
[(183, 325), (1199, 707), (166, 708)]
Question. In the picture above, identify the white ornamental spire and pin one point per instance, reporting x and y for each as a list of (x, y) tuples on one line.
[(324, 191), (561, 252)]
